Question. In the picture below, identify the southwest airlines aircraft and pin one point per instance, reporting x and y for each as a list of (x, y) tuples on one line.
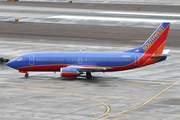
[(73, 64)]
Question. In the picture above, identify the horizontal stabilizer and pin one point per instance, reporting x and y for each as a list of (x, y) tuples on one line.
[(158, 56), (165, 54)]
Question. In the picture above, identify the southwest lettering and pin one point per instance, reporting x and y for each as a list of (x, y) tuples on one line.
[(153, 38), (151, 41)]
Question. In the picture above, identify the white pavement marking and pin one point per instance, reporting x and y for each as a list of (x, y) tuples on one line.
[(116, 1), (142, 13), (88, 16), (114, 19)]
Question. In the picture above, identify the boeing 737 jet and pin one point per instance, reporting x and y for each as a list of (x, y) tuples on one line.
[(73, 64)]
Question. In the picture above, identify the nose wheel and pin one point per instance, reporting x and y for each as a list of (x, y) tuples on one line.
[(88, 75), (26, 75)]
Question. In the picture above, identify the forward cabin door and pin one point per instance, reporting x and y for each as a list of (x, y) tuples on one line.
[(31, 59)]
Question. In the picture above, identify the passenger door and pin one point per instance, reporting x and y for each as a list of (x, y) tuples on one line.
[(31, 59)]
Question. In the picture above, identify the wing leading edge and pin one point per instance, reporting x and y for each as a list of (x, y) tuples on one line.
[(88, 69)]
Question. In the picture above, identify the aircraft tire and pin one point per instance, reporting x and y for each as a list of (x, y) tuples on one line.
[(26, 75), (88, 75)]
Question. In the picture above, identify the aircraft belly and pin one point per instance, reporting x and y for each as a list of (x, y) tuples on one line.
[(42, 68)]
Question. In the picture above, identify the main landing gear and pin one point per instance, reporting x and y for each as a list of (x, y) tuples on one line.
[(26, 75), (88, 75)]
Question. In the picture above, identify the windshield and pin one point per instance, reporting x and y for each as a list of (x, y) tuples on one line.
[(18, 58)]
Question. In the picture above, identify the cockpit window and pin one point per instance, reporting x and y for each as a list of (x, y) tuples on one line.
[(18, 58)]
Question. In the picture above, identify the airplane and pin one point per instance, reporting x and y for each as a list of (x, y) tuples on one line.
[(73, 64)]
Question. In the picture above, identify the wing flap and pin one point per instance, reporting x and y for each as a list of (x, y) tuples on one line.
[(86, 69)]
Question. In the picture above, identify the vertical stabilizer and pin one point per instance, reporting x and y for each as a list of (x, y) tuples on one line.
[(155, 43)]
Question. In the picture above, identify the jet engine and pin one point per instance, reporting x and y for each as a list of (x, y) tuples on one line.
[(69, 72)]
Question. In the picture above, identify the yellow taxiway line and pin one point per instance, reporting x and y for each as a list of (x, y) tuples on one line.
[(141, 104)]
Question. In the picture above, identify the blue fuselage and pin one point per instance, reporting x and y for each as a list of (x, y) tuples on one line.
[(53, 61)]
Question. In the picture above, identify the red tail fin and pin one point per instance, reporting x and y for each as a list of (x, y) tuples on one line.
[(155, 43)]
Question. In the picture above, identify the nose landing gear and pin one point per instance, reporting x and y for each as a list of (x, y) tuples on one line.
[(26, 73)]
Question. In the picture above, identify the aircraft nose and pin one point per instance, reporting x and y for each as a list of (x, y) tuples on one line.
[(11, 64)]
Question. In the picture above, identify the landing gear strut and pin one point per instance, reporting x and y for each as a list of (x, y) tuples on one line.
[(26, 75), (88, 75)]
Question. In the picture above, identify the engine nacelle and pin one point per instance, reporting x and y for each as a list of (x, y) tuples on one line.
[(69, 72)]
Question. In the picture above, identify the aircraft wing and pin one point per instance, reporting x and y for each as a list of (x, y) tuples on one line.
[(87, 69)]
